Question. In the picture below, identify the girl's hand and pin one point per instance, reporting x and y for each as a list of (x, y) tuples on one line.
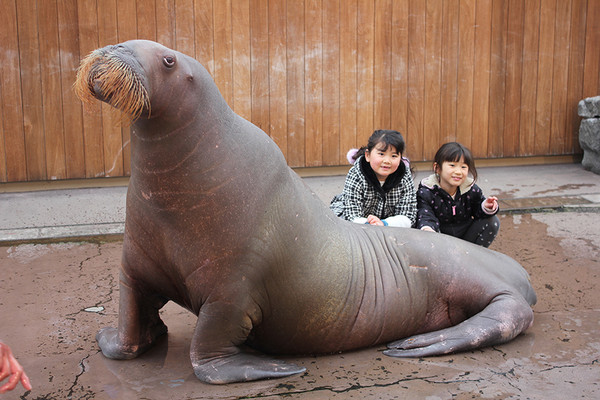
[(373, 220), (491, 203), (427, 229), (10, 368)]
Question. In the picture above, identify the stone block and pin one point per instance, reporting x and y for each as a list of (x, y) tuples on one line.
[(589, 140), (589, 108)]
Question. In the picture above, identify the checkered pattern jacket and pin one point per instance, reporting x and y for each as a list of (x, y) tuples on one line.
[(363, 195)]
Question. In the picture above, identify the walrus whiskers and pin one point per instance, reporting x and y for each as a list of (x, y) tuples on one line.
[(105, 76)]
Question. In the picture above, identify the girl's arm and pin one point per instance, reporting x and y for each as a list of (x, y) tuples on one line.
[(353, 194), (426, 218), (405, 207)]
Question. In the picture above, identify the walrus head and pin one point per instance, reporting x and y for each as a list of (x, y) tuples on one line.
[(112, 75)]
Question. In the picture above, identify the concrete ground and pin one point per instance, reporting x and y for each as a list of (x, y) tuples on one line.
[(56, 295)]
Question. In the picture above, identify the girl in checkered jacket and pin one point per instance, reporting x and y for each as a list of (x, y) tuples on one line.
[(379, 188)]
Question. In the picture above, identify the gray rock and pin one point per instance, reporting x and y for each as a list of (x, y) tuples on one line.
[(589, 108), (589, 140)]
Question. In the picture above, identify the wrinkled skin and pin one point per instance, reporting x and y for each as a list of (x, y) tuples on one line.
[(218, 223)]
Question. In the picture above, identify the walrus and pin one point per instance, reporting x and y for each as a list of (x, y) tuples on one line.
[(217, 222)]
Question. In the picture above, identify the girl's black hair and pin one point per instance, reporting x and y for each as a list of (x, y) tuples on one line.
[(385, 136), (452, 152)]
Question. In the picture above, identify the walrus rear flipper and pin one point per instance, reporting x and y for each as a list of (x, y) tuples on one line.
[(502, 320)]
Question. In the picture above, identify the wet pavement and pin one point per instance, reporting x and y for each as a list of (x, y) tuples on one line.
[(55, 297)]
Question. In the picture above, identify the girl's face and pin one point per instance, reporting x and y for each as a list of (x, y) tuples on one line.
[(384, 163), (452, 174)]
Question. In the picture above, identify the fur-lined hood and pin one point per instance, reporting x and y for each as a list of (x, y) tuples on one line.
[(432, 181)]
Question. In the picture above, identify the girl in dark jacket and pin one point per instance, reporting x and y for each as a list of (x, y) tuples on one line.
[(450, 202)]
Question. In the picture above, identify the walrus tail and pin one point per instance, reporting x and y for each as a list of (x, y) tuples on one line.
[(104, 76)]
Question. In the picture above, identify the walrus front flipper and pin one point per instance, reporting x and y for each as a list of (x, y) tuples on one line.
[(502, 320), (216, 357), (139, 325)]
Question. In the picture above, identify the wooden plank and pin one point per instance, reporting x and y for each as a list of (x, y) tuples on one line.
[(591, 71), (12, 102), (223, 72), (543, 108), (92, 119), (204, 33), (184, 27), (51, 91), (382, 65), (365, 54), (562, 41), (575, 80), (514, 69), (278, 75), (481, 79), (146, 19), (348, 73), (111, 128), (498, 82), (295, 84), (399, 60), (449, 88), (433, 73), (127, 28), (313, 83), (531, 37), (165, 23), (416, 80), (31, 86), (331, 82), (242, 78), (466, 60), (259, 44)]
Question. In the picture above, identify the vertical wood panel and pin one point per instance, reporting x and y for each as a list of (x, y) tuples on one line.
[(466, 50), (531, 37), (146, 19), (223, 73), (260, 63), (278, 74), (185, 37), (481, 79), (416, 79), (242, 88), (348, 73), (498, 78), (51, 91), (545, 68), (399, 60), (560, 76), (592, 51), (382, 60), (365, 53), (433, 76), (165, 23), (12, 103), (111, 129), (331, 82), (575, 83), (514, 57), (295, 83), (449, 88), (27, 20), (203, 33), (313, 87), (127, 23)]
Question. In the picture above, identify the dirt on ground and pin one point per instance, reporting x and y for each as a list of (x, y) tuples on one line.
[(55, 297)]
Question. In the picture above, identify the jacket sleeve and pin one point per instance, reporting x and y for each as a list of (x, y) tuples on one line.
[(425, 213), (407, 203), (477, 200), (353, 195)]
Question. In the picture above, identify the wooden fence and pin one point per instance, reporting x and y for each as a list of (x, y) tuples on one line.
[(501, 76)]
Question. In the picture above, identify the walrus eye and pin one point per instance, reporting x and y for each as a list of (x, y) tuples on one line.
[(169, 61)]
